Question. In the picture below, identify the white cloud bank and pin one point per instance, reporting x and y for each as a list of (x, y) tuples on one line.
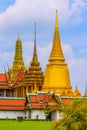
[(24, 11)]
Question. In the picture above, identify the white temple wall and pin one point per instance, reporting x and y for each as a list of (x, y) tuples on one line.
[(40, 113), (55, 115), (11, 114)]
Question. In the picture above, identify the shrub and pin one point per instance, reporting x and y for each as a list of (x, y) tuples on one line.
[(20, 118), (61, 128)]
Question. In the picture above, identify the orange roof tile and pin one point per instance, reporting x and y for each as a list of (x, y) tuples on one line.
[(42, 96), (34, 98), (67, 101), (4, 87), (3, 77), (47, 98), (12, 102), (37, 106), (11, 108)]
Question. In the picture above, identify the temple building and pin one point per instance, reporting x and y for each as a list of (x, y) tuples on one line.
[(33, 78), (5, 91), (27, 92), (57, 77), (18, 80)]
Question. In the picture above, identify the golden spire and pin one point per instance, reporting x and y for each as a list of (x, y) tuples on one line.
[(35, 88), (35, 58), (56, 22), (56, 74), (18, 62), (77, 93), (56, 53)]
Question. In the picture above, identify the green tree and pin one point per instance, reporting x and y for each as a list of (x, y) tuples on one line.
[(74, 117)]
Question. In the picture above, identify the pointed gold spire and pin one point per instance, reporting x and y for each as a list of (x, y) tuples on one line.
[(56, 53), (56, 22), (56, 74), (35, 58), (18, 62), (76, 92)]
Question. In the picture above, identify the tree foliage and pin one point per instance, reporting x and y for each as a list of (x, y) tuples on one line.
[(74, 116)]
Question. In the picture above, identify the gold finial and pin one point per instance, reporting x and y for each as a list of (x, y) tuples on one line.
[(56, 22), (35, 88)]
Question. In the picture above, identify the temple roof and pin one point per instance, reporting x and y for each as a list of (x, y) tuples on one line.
[(56, 53), (33, 78), (42, 100), (3, 81), (69, 100), (12, 103), (3, 77)]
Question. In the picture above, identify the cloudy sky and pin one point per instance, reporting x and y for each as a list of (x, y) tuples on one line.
[(18, 16)]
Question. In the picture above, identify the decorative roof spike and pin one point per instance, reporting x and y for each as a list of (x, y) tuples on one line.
[(56, 22), (56, 53), (35, 58), (76, 92)]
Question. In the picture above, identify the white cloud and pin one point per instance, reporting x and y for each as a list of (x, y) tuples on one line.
[(24, 11), (76, 10)]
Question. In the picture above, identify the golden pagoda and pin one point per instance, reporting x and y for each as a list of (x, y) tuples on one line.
[(33, 78), (18, 62), (56, 74)]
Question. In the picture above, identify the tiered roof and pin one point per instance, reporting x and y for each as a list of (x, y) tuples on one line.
[(3, 81), (69, 100), (42, 100), (12, 103), (34, 75)]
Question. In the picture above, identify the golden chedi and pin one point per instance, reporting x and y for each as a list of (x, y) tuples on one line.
[(56, 74), (18, 62), (33, 78)]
